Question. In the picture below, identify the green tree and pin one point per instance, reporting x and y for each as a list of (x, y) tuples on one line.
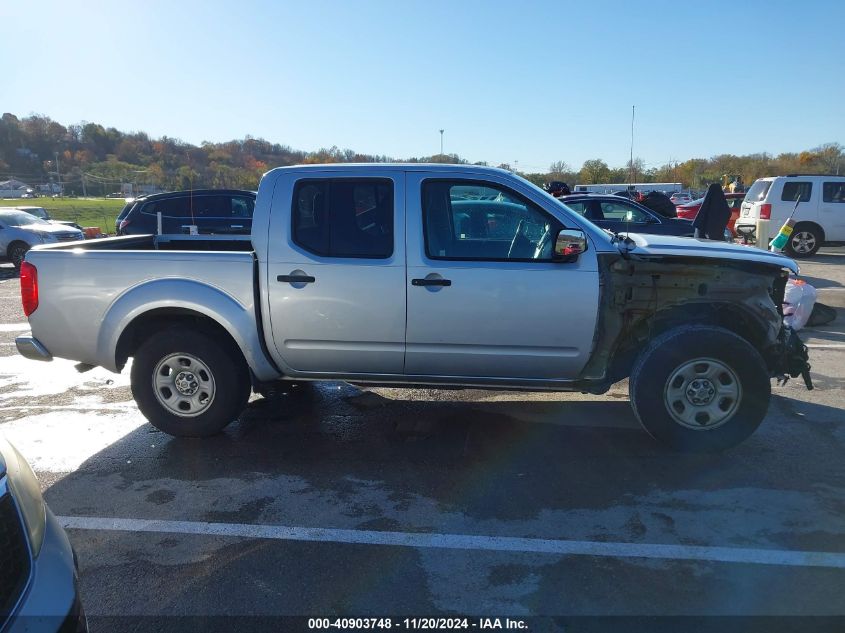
[(594, 171)]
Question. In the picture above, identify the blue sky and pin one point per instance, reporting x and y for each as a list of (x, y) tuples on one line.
[(531, 82)]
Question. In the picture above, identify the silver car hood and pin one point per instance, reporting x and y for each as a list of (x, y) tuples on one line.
[(47, 228), (646, 245)]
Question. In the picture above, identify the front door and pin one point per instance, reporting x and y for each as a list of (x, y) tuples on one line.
[(485, 298), (336, 273)]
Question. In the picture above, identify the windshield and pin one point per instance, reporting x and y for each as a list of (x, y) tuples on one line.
[(19, 218), (758, 191), (38, 212)]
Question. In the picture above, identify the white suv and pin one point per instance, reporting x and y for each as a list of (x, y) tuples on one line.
[(820, 216)]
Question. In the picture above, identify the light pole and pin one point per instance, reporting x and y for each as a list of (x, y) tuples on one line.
[(631, 163), (441, 142)]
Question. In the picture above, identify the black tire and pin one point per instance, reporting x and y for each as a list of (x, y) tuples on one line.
[(229, 384), (714, 347), (805, 241), (16, 253)]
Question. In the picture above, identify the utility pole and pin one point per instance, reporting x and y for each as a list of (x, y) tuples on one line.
[(58, 172), (84, 190), (441, 142)]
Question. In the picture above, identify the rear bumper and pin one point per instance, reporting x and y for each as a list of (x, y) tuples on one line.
[(31, 348), (746, 229)]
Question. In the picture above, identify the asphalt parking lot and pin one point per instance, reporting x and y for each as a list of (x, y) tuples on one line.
[(334, 500)]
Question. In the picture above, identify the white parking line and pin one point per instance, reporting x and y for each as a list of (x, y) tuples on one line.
[(825, 346), (791, 558), (13, 327)]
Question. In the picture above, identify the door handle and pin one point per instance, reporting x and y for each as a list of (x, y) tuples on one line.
[(296, 279), (431, 282)]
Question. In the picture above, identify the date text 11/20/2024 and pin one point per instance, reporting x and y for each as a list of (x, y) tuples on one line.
[(432, 624)]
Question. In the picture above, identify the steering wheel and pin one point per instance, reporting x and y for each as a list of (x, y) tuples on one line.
[(517, 234), (544, 241)]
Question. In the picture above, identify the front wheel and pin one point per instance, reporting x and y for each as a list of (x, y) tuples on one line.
[(700, 388), (189, 384)]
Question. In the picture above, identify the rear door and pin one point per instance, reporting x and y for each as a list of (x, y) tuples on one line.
[(832, 210), (239, 220), (224, 214), (802, 192), (176, 215), (336, 264), (483, 300), (212, 214)]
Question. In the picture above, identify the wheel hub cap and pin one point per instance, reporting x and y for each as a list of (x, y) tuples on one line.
[(183, 384), (702, 394), (803, 242), (186, 383)]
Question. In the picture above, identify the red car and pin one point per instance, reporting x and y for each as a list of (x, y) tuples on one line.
[(690, 209)]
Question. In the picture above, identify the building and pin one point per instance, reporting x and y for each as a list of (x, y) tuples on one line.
[(13, 188)]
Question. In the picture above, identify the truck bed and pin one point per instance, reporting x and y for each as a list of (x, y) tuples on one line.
[(87, 290), (160, 242)]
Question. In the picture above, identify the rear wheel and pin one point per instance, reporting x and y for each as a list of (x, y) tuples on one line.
[(16, 253), (188, 384), (805, 241), (700, 388)]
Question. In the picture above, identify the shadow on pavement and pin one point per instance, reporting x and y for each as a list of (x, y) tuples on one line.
[(500, 459), (336, 456)]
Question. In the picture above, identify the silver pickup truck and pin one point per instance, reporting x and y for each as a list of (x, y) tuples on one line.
[(435, 275)]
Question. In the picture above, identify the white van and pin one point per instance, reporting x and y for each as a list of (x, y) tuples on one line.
[(820, 214)]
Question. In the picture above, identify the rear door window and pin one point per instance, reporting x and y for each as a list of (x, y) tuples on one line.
[(795, 190), (344, 217), (242, 207), (579, 207), (218, 207), (621, 212), (833, 192), (169, 208), (175, 213)]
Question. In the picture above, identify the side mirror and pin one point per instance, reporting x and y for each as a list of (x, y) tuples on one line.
[(569, 244)]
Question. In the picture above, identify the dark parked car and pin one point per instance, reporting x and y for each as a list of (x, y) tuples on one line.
[(619, 214), (212, 211), (38, 578)]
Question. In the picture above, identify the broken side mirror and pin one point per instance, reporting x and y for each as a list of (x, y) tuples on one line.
[(569, 244)]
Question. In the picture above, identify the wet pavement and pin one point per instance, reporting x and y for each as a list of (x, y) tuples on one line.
[(333, 473)]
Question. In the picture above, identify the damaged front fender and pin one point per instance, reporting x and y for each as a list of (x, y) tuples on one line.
[(643, 296)]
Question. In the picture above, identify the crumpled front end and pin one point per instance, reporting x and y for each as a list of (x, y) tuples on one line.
[(642, 296), (789, 358)]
